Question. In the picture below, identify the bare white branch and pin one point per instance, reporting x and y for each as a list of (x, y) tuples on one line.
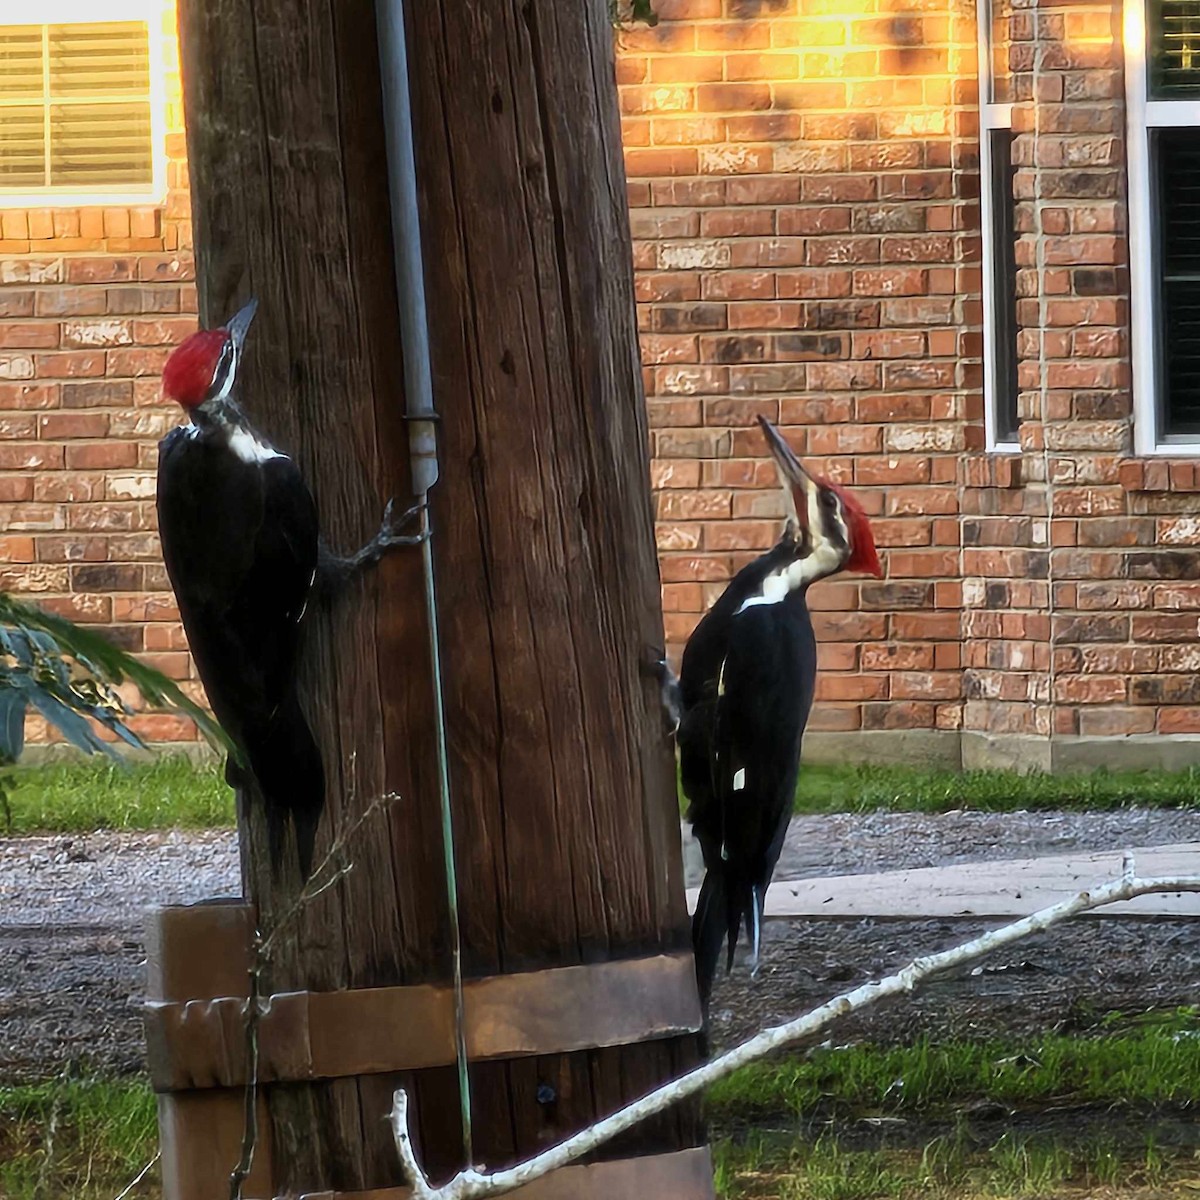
[(140, 1176), (472, 1184)]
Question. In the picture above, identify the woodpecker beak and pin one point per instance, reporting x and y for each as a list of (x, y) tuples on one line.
[(239, 324), (799, 484)]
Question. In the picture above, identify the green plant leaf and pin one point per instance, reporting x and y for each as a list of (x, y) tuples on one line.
[(69, 723), (12, 723), (40, 646)]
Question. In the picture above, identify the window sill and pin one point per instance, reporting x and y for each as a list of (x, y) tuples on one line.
[(150, 198), (1159, 474)]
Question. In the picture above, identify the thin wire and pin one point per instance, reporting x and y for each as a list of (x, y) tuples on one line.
[(421, 415), (439, 721)]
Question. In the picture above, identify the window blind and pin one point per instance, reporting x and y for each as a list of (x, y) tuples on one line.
[(75, 107)]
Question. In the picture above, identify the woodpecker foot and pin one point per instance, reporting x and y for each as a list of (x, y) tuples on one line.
[(390, 533), (335, 571), (389, 536), (654, 664)]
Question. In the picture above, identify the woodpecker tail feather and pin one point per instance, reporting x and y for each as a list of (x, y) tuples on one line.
[(710, 927), (291, 776), (723, 906), (754, 915)]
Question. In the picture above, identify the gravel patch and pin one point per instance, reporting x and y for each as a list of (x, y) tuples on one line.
[(72, 962), (111, 878), (72, 958), (1061, 979)]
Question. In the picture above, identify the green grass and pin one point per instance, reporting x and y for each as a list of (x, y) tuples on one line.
[(72, 797), (86, 1140), (1146, 1062), (909, 789), (951, 1167), (83, 1140), (171, 791)]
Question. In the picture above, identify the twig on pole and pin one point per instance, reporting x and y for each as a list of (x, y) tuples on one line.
[(329, 871), (472, 1184)]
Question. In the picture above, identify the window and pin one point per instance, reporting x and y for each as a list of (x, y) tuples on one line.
[(81, 109), (1162, 48), (998, 230)]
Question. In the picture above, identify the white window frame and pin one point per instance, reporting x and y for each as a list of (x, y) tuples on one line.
[(1144, 115), (992, 116), (87, 12)]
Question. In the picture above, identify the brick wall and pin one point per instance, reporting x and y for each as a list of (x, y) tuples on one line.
[(803, 181), (1045, 652), (802, 192), (91, 300)]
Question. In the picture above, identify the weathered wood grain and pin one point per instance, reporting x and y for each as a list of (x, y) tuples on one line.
[(564, 799)]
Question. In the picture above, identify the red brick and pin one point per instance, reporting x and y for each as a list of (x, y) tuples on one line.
[(136, 361), (30, 456), (17, 550), (54, 426), (1179, 720), (99, 456), (763, 315), (69, 364), (165, 267), (104, 269), (730, 35), (732, 97), (690, 68), (852, 687), (832, 718), (82, 608), (39, 335)]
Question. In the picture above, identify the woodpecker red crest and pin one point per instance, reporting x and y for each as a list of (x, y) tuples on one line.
[(191, 370), (863, 555), (204, 366)]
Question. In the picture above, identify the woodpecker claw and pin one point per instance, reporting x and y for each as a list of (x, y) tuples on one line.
[(335, 572), (389, 534), (654, 664)]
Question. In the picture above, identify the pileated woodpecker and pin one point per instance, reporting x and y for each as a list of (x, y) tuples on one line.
[(742, 701), (239, 536)]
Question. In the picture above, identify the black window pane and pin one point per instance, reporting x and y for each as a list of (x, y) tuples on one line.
[(1177, 201), (1173, 31), (1004, 286)]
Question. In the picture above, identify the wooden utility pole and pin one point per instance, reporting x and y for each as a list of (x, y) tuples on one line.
[(566, 826)]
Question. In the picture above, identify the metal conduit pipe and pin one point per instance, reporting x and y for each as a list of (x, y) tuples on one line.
[(421, 416)]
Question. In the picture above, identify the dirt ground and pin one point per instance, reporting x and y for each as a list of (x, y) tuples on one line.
[(72, 957)]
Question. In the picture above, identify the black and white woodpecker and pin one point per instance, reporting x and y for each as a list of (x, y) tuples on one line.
[(240, 540), (742, 700)]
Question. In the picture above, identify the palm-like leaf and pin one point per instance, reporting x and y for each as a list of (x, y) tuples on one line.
[(68, 673)]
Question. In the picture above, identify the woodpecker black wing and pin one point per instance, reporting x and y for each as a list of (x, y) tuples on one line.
[(748, 737), (240, 544)]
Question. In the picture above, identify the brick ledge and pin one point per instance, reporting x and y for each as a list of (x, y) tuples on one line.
[(1159, 474)]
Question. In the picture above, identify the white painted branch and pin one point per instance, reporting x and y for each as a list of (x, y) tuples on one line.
[(472, 1184)]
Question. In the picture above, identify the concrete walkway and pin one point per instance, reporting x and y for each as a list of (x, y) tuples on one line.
[(1007, 889)]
